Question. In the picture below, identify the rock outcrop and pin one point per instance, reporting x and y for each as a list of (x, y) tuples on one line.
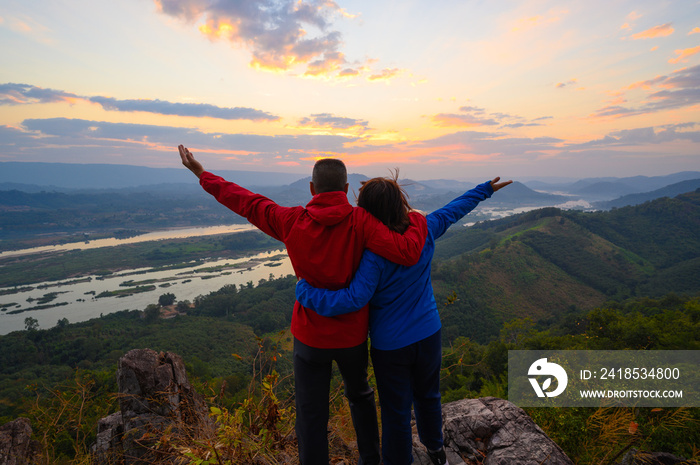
[(492, 431), (154, 396), (636, 457), (16, 444)]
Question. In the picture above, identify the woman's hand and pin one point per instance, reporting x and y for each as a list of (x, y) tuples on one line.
[(499, 185)]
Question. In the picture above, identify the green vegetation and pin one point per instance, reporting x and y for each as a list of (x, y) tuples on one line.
[(125, 292), (549, 264)]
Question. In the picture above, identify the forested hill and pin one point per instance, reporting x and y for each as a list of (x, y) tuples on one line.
[(551, 264)]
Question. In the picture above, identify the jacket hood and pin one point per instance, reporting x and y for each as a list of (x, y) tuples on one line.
[(329, 208)]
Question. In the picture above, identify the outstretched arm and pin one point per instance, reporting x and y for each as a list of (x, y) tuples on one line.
[(269, 217), (332, 303), (443, 218), (189, 161)]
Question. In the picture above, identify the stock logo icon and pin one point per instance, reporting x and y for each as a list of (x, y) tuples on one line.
[(542, 367)]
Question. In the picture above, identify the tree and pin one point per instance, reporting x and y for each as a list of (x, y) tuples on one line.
[(151, 313), (183, 306), (31, 324), (166, 299)]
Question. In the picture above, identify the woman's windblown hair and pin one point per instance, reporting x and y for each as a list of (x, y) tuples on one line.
[(385, 199)]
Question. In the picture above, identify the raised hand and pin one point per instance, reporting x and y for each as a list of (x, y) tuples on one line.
[(189, 161), (499, 185)]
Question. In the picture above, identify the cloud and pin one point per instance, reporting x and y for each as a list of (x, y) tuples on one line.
[(348, 72), (656, 31), (152, 134), (25, 94), (567, 83), (696, 30), (75, 141), (679, 89), (490, 144), (461, 120), (519, 125), (684, 54), (643, 136), (331, 63), (385, 74), (198, 110), (275, 31), (472, 116), (329, 121)]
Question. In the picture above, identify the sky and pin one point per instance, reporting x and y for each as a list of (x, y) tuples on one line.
[(454, 89)]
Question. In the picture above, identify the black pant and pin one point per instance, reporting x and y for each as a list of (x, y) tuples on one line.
[(312, 380), (409, 376)]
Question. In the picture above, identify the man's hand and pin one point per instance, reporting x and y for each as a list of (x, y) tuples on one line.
[(189, 161), (499, 185)]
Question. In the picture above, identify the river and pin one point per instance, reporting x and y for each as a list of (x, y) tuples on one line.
[(78, 296), (175, 233)]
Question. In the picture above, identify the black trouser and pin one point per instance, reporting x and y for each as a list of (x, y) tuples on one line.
[(312, 379)]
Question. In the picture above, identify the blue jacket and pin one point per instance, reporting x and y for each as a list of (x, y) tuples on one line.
[(401, 301)]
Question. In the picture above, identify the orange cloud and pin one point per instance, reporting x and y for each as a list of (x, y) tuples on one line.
[(331, 63), (656, 31), (385, 74), (279, 35), (567, 83), (646, 85), (684, 54), (695, 31), (446, 120)]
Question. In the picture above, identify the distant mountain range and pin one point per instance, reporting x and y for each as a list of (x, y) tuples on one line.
[(635, 199), (73, 176), (292, 189), (608, 188)]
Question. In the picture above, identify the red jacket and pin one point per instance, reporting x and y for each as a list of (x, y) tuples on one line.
[(325, 242)]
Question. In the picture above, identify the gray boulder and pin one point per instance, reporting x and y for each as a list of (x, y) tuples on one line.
[(154, 396), (636, 457), (16, 444), (492, 431)]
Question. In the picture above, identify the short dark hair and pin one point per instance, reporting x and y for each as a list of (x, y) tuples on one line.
[(386, 200), (329, 175)]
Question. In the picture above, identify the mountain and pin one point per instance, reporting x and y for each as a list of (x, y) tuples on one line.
[(550, 263), (604, 190), (635, 199), (607, 188), (102, 176)]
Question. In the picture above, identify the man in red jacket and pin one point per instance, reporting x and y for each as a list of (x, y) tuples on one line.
[(324, 241)]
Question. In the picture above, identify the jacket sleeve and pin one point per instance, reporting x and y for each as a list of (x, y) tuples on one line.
[(404, 249), (262, 212), (440, 220), (352, 298)]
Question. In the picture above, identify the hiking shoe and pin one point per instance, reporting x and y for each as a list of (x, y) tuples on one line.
[(438, 457)]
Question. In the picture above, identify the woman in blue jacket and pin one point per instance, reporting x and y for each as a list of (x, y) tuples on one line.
[(404, 321)]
